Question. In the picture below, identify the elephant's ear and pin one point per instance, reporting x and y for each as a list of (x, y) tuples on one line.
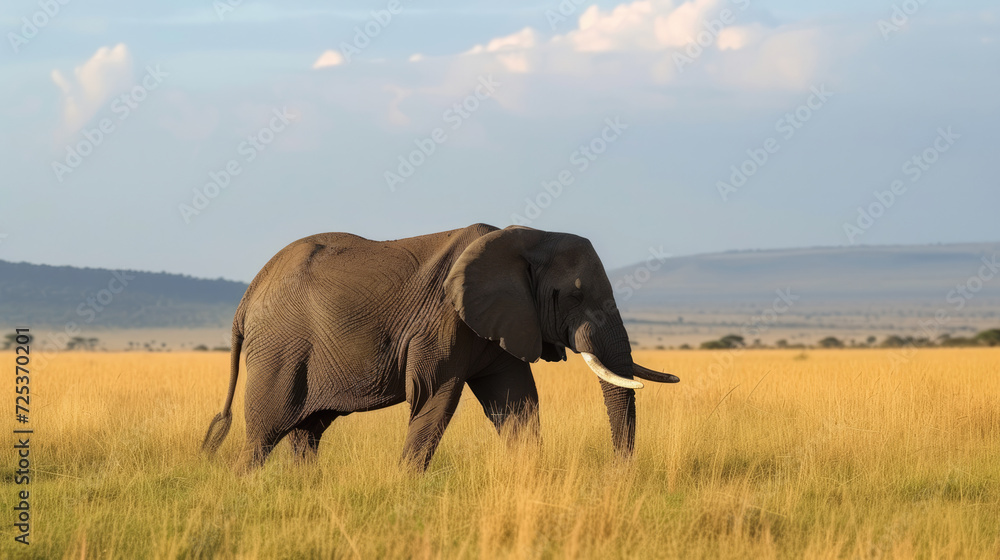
[(490, 286)]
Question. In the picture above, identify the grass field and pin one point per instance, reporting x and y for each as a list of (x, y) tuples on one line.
[(774, 454)]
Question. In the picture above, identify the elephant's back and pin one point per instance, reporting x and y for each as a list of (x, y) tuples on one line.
[(329, 275), (328, 263), (347, 275), (338, 252)]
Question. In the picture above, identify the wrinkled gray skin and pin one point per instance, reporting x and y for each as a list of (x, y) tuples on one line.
[(336, 324)]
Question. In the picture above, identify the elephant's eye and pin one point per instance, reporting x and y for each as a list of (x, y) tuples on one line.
[(577, 296)]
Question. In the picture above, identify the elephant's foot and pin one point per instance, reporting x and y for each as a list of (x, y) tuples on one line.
[(305, 446), (248, 463), (522, 429), (415, 461), (253, 456)]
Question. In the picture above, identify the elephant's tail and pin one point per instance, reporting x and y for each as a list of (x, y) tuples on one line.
[(219, 427)]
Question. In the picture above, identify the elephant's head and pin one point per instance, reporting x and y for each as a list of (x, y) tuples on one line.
[(538, 293)]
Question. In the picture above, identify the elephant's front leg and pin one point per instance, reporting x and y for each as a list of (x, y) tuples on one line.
[(431, 408), (509, 397)]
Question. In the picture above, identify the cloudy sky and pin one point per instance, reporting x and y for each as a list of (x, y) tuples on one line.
[(200, 137)]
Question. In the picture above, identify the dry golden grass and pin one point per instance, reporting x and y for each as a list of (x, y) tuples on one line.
[(778, 454)]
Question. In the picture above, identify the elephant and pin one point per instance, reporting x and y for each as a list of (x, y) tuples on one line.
[(335, 323)]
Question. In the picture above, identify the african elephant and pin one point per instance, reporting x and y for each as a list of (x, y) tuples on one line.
[(335, 323)]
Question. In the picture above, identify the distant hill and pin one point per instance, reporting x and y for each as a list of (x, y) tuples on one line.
[(870, 284), (848, 292), (42, 295), (849, 275)]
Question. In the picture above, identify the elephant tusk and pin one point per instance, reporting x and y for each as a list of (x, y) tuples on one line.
[(655, 376), (608, 375)]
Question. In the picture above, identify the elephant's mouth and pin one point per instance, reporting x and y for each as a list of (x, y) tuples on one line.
[(553, 352)]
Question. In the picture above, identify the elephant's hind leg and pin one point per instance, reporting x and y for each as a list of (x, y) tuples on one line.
[(274, 405), (306, 435), (260, 442)]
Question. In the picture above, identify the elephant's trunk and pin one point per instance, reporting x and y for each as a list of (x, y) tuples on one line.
[(620, 403), (609, 348)]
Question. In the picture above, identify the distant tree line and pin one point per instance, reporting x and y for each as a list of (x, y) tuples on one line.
[(10, 340), (82, 343), (91, 344), (989, 337), (203, 348)]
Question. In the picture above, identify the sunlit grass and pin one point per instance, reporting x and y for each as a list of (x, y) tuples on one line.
[(774, 454)]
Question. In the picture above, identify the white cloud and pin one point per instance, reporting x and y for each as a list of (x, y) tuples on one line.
[(681, 26), (644, 25), (526, 38), (626, 27), (515, 63), (328, 59), (651, 32), (511, 50), (94, 82), (628, 53)]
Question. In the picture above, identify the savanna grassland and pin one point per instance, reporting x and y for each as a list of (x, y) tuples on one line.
[(772, 454)]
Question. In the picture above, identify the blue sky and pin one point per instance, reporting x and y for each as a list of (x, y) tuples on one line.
[(312, 117)]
